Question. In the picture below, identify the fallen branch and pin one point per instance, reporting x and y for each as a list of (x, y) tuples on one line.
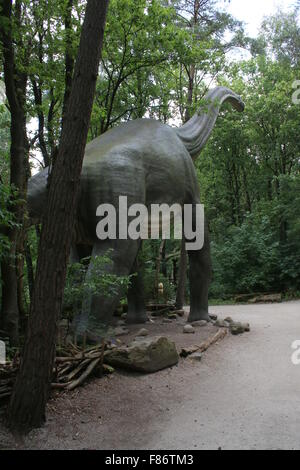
[(185, 352), (84, 376)]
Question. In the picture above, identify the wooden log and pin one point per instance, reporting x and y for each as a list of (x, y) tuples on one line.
[(72, 375), (185, 352), (61, 360), (59, 386), (85, 375)]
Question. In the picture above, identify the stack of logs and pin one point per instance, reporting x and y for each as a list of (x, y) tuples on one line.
[(73, 367)]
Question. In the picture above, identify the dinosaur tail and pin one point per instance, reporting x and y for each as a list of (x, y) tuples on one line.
[(195, 133)]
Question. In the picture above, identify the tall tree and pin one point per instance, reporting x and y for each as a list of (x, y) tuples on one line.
[(15, 78), (28, 402)]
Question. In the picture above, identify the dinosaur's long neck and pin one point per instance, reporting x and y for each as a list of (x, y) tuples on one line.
[(195, 133)]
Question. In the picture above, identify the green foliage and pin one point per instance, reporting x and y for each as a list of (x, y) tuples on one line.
[(150, 287), (99, 280), (154, 273), (249, 175)]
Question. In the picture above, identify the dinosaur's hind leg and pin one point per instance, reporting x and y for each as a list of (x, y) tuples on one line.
[(200, 271), (97, 309)]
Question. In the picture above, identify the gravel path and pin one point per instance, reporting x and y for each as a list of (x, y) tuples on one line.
[(248, 396)]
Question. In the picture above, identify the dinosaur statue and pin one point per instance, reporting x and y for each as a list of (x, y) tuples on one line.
[(150, 163)]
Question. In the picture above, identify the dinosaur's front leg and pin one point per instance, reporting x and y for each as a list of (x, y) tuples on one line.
[(135, 296), (97, 309)]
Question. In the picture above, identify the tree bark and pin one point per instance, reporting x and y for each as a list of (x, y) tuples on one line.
[(69, 60), (30, 273), (15, 83), (30, 394)]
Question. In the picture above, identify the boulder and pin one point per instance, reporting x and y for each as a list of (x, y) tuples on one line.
[(228, 320), (144, 355), (188, 329)]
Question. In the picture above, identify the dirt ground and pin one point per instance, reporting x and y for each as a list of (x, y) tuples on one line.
[(125, 407)]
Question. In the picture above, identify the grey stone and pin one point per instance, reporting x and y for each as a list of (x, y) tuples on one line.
[(196, 357), (188, 329), (228, 320), (237, 328), (222, 324), (144, 355), (199, 323), (121, 322), (143, 332)]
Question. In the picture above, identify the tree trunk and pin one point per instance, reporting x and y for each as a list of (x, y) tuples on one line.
[(30, 274), (15, 83), (30, 393), (69, 60)]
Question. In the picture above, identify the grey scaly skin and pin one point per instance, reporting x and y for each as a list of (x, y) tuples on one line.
[(150, 163)]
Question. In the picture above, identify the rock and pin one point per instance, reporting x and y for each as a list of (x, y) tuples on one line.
[(213, 317), (121, 331), (188, 329), (222, 324), (121, 322), (144, 355), (196, 357), (228, 320), (199, 323), (143, 332), (180, 313), (124, 316), (237, 328)]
